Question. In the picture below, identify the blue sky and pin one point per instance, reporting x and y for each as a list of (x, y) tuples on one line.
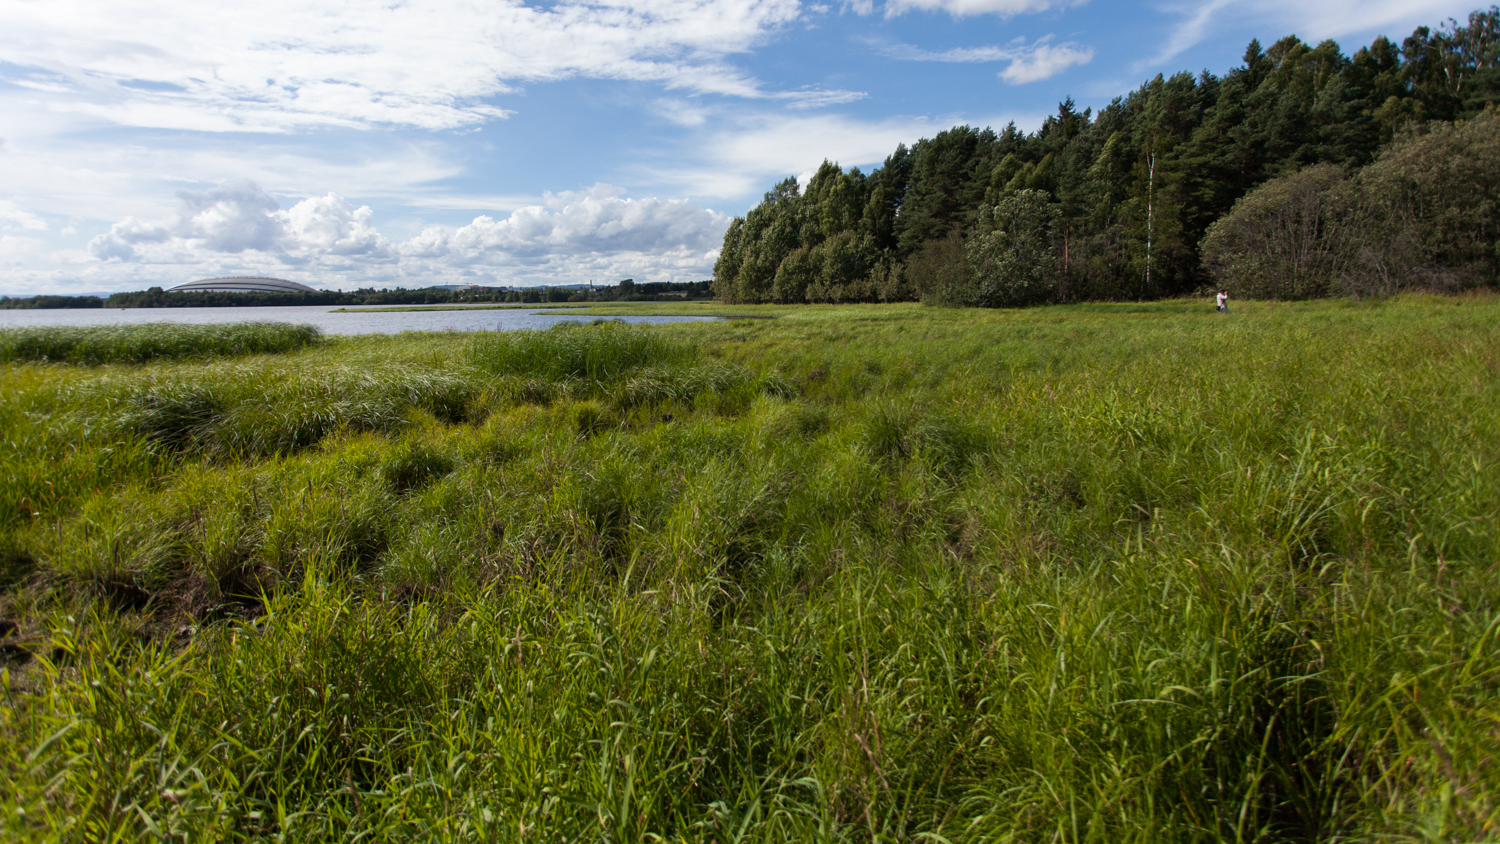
[(347, 144)]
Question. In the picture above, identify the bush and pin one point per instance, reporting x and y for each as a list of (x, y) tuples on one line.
[(941, 275), (1287, 240), (1424, 216), (1011, 251), (1432, 201)]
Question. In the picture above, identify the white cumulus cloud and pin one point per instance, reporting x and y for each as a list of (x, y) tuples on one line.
[(329, 225), (598, 221), (571, 236), (237, 217), (231, 218)]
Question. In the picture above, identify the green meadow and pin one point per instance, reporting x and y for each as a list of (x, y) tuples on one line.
[(1087, 573)]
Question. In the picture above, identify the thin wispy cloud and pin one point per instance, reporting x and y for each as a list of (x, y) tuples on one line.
[(15, 249), (80, 175), (969, 8), (956, 55), (1336, 18), (12, 216), (1197, 23), (818, 98), (282, 66), (1044, 61), (1027, 62), (746, 155), (1188, 33)]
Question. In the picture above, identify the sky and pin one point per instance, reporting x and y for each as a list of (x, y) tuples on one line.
[(357, 144)]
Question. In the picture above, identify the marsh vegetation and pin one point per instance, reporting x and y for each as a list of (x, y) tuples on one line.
[(1082, 573)]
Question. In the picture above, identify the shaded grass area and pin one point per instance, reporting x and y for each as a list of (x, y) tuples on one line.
[(1065, 574), (153, 341)]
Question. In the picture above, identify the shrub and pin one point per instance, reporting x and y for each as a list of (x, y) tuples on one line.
[(1425, 215), (1011, 251), (1287, 240), (1432, 201), (940, 274)]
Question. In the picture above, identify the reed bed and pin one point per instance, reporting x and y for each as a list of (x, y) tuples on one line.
[(600, 351), (862, 574), (129, 344)]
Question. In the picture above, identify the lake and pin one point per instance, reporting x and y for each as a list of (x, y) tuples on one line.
[(351, 321)]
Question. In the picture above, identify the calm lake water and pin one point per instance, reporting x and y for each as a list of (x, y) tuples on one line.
[(353, 321)]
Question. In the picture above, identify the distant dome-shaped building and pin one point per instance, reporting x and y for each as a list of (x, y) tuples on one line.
[(243, 284)]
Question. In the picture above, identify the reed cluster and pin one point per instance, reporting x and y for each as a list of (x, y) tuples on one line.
[(152, 341), (874, 573)]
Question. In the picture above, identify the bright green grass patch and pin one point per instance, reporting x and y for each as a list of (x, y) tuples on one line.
[(154, 341), (1101, 573)]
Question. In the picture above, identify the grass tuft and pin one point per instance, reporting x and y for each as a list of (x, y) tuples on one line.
[(596, 352), (413, 466)]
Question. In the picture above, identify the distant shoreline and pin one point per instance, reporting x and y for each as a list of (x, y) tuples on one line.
[(486, 307), (705, 308)]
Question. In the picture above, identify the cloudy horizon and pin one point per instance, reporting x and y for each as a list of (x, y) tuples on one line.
[(410, 145)]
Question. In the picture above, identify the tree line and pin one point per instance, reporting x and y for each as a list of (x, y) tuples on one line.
[(626, 290), (1180, 185), (26, 303)]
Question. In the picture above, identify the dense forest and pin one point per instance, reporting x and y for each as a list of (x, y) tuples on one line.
[(1304, 172)]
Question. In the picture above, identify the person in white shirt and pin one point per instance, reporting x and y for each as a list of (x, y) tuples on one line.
[(1222, 302)]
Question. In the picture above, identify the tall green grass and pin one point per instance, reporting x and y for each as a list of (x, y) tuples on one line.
[(153, 341), (600, 351), (1069, 574)]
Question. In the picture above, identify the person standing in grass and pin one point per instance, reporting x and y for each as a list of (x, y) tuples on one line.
[(1221, 302)]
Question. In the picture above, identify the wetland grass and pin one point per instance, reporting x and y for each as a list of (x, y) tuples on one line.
[(1102, 573), (152, 341)]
